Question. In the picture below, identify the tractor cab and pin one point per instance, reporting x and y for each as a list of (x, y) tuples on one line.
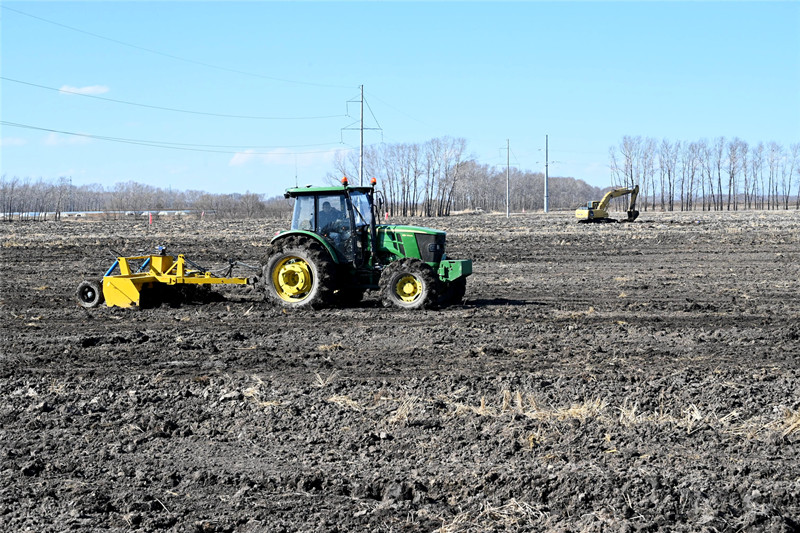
[(342, 216)]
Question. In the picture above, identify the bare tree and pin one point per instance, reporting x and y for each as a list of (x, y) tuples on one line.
[(736, 148), (8, 189), (775, 163), (623, 169), (703, 155), (718, 154), (757, 175), (647, 171), (690, 174), (668, 164), (794, 159)]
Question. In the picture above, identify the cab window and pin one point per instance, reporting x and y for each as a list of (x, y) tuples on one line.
[(303, 218), (362, 212), (331, 214)]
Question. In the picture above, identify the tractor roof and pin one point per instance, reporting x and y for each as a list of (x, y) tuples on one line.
[(309, 190)]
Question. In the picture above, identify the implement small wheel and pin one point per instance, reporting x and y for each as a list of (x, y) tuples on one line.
[(90, 294), (409, 284)]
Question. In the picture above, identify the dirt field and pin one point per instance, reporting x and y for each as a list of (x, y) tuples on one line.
[(627, 377)]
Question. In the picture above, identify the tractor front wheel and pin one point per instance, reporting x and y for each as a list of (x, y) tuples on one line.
[(409, 284), (454, 291), (298, 274), (90, 294)]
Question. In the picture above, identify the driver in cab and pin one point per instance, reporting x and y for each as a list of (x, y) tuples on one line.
[(331, 221)]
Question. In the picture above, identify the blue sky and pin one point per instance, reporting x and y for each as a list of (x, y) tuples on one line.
[(584, 73)]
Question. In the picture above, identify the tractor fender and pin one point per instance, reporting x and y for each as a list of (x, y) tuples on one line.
[(311, 235)]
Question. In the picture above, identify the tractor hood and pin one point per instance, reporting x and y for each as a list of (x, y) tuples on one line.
[(411, 241)]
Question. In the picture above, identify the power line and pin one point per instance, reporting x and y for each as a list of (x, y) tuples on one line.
[(372, 95), (166, 145), (177, 58), (165, 108), (373, 114)]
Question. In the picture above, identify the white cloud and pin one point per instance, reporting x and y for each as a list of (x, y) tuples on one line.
[(177, 169), (89, 89), (282, 157), (54, 139), (242, 158), (12, 141)]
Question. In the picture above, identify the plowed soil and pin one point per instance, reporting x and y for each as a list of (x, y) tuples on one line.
[(619, 377)]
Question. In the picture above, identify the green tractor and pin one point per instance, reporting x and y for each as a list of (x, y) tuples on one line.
[(335, 252)]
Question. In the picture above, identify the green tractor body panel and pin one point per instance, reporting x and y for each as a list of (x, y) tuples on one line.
[(411, 241), (453, 269), (343, 220)]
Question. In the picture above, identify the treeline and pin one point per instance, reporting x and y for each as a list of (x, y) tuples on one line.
[(25, 199), (708, 175), (438, 178), (469, 186)]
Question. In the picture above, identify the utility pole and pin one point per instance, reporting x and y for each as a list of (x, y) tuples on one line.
[(508, 181), (361, 128), (361, 151), (546, 163)]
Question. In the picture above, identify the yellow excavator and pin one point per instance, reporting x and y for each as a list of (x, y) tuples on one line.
[(595, 211)]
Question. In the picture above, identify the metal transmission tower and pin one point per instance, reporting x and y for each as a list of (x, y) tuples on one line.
[(361, 129), (546, 176), (508, 177), (508, 181), (361, 143), (546, 171)]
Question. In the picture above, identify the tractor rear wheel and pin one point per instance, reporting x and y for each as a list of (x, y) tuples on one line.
[(409, 284), (299, 273), (90, 294)]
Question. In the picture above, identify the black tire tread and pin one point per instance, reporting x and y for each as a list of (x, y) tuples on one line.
[(322, 294), (430, 296), (94, 285)]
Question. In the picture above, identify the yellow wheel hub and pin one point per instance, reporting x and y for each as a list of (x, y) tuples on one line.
[(292, 279), (408, 288)]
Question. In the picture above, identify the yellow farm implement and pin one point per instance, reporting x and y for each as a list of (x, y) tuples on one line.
[(149, 274)]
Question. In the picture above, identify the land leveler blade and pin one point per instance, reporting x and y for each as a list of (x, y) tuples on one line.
[(156, 273)]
